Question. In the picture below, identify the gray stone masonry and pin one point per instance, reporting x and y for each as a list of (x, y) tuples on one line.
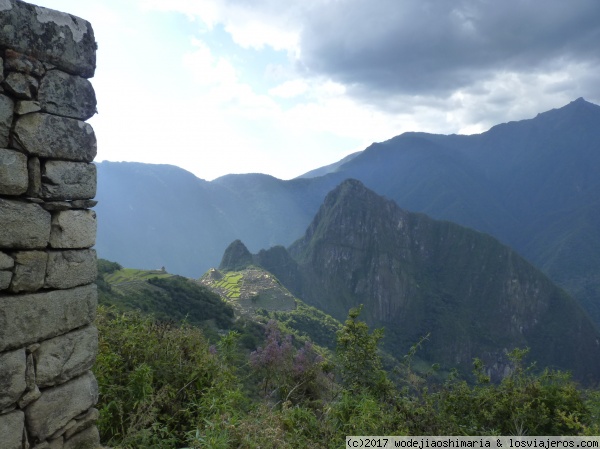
[(48, 297)]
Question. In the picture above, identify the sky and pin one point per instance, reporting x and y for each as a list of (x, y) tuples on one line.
[(283, 87)]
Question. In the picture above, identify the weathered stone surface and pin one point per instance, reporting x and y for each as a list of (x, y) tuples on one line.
[(57, 443), (57, 206), (90, 417), (29, 397), (12, 377), (11, 430), (67, 95), (86, 439), (23, 225), (44, 418), (30, 271), (73, 229), (21, 85), (68, 269), (35, 177), (68, 180), (6, 262), (1, 70), (27, 107), (32, 348), (63, 431), (47, 135), (56, 37), (42, 445), (30, 373), (26, 319), (7, 107), (66, 356), (13, 172), (83, 204), (5, 279), (18, 62)]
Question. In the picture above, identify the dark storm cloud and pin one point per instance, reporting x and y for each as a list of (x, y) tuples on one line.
[(434, 47)]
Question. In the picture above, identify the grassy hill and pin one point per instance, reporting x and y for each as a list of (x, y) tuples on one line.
[(162, 295)]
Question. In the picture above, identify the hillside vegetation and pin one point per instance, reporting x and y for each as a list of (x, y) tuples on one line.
[(161, 295), (293, 378), (164, 385)]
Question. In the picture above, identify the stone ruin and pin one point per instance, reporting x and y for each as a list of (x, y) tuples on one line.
[(48, 298)]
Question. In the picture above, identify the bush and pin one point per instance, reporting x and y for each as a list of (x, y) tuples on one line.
[(156, 380)]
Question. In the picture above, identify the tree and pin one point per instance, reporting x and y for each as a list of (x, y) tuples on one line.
[(358, 359)]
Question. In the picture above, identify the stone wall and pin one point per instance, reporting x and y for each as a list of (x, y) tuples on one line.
[(48, 297)]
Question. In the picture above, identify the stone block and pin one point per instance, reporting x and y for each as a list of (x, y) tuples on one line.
[(29, 397), (27, 107), (12, 377), (7, 107), (12, 426), (30, 373), (14, 177), (18, 62), (68, 180), (21, 86), (44, 418), (5, 279), (56, 206), (66, 356), (67, 95), (30, 271), (23, 225), (83, 422), (86, 439), (83, 204), (50, 36), (29, 318), (35, 177), (67, 269), (73, 229), (6, 262), (51, 136)]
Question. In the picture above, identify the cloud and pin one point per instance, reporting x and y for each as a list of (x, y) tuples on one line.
[(401, 54), (435, 47), (290, 89), (283, 87)]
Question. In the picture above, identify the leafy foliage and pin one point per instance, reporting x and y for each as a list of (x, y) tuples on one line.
[(156, 380), (310, 322), (358, 359), (164, 386), (289, 374)]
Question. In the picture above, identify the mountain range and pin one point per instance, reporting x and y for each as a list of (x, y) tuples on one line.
[(532, 184), (416, 276)]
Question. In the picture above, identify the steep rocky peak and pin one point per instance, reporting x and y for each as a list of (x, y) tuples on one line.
[(352, 208), (236, 257)]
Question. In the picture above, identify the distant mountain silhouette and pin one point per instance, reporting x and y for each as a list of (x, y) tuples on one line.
[(533, 184)]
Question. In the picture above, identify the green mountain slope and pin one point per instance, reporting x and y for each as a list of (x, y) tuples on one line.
[(249, 290), (417, 276), (257, 294), (164, 296)]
